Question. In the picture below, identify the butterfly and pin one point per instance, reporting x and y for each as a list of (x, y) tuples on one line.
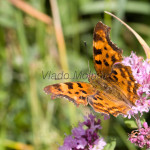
[(113, 90)]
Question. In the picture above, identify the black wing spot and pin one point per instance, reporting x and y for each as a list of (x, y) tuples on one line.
[(115, 72), (136, 85), (95, 98), (99, 98), (69, 84), (59, 89), (105, 62), (107, 55), (113, 108), (79, 85), (131, 78), (97, 51), (82, 97), (98, 62), (113, 59), (127, 68), (98, 104), (69, 92), (122, 73), (128, 89), (105, 48), (83, 91), (134, 90), (76, 92), (115, 78)]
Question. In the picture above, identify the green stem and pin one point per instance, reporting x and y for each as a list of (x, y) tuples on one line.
[(138, 121)]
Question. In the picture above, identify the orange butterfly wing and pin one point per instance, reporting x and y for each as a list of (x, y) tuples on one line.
[(105, 53), (108, 104), (122, 76), (76, 92)]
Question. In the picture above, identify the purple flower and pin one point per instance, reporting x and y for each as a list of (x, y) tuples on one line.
[(69, 142), (141, 137), (85, 136), (100, 144), (141, 72)]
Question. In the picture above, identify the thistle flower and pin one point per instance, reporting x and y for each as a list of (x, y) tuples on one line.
[(141, 72), (141, 137), (85, 136)]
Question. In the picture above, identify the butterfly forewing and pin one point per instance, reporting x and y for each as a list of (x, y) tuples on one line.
[(105, 53), (76, 92)]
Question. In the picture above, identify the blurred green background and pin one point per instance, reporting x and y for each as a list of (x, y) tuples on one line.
[(29, 48)]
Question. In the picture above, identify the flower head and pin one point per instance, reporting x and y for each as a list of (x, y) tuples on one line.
[(85, 136), (141, 137), (141, 72)]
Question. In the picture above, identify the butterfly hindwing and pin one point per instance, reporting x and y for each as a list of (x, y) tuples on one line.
[(122, 76), (105, 53), (76, 92), (104, 103)]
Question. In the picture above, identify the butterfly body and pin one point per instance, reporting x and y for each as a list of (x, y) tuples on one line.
[(113, 90)]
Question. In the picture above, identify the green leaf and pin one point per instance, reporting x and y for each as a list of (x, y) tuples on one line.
[(131, 124), (111, 145)]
